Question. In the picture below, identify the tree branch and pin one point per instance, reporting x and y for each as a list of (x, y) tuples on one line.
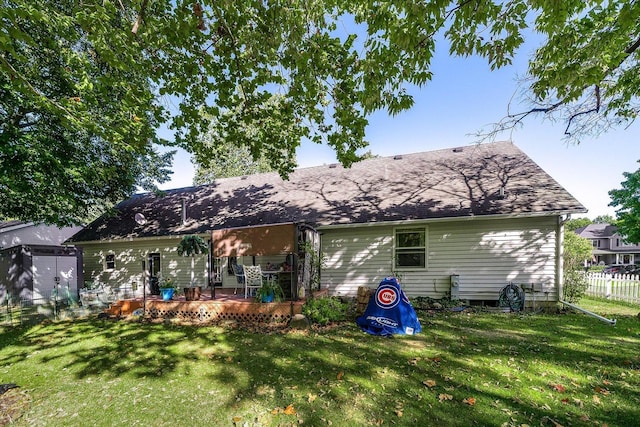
[(140, 17)]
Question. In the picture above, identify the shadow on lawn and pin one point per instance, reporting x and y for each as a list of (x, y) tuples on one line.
[(348, 372)]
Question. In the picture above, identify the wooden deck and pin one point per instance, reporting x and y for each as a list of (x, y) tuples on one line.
[(225, 306)]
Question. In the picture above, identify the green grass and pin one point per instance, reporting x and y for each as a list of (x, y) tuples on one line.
[(462, 370)]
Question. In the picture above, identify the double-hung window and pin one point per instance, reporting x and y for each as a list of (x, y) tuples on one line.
[(410, 248), (110, 262)]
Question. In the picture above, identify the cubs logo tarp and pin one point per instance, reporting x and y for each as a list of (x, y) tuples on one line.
[(389, 311)]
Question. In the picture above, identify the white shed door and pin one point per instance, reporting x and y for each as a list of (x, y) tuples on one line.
[(45, 271)]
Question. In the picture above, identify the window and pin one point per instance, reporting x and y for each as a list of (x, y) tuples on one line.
[(595, 243), (411, 248), (110, 262)]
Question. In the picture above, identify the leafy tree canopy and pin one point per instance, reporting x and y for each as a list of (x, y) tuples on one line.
[(229, 160), (574, 224), (627, 203), (604, 219), (271, 74)]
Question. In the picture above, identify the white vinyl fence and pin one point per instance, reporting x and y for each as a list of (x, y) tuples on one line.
[(619, 287)]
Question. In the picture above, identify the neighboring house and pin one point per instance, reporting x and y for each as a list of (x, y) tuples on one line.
[(478, 216), (609, 247), (33, 260)]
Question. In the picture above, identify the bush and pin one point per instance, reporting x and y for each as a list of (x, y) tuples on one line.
[(575, 285), (325, 310)]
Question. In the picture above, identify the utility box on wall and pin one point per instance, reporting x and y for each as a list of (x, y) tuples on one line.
[(455, 286)]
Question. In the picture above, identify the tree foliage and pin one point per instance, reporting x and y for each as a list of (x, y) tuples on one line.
[(604, 219), (101, 76), (575, 223), (575, 251), (627, 203), (74, 138), (225, 158), (229, 160)]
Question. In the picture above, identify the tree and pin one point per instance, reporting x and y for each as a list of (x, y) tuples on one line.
[(576, 251), (230, 160), (574, 224), (627, 202), (227, 159), (273, 73), (604, 219), (72, 139)]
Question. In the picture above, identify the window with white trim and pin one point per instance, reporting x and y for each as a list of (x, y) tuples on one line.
[(110, 262), (410, 248)]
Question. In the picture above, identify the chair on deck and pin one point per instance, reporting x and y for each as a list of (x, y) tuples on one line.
[(238, 271), (252, 278)]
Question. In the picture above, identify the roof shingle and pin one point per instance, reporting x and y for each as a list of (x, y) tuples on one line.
[(446, 183)]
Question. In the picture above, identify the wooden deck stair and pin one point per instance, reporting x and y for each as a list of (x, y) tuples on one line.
[(123, 307)]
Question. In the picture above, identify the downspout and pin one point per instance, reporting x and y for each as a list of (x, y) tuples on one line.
[(612, 322), (560, 254), (560, 270)]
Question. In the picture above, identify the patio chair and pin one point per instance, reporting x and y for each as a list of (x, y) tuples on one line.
[(238, 271), (252, 278)]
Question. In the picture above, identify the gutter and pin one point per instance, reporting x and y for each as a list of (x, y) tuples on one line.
[(449, 219), (612, 322)]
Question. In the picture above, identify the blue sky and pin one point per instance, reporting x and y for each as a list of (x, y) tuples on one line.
[(463, 97)]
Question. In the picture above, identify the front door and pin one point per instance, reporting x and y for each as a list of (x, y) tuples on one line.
[(154, 273)]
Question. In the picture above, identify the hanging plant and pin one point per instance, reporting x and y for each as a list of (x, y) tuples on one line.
[(192, 245)]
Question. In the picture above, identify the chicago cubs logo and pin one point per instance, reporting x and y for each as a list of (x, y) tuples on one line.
[(387, 297)]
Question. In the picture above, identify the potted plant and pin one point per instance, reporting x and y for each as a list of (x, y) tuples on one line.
[(270, 292), (167, 287), (191, 246)]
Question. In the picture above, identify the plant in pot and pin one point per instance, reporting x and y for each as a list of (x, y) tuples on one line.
[(192, 245), (270, 292), (167, 287)]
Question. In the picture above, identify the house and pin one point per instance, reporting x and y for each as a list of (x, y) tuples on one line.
[(33, 261), (609, 247), (464, 222)]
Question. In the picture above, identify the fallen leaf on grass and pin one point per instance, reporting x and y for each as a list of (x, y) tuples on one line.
[(237, 419), (429, 383), (340, 375), (470, 401), (312, 397), (596, 399), (399, 414), (559, 388), (602, 390), (443, 396), (289, 410)]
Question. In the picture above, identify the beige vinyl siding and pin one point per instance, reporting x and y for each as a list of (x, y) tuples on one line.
[(356, 257), (487, 254), (128, 262)]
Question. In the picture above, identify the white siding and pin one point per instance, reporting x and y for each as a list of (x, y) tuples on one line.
[(487, 254), (129, 257)]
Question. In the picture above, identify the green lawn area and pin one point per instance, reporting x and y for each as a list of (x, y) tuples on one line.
[(464, 369)]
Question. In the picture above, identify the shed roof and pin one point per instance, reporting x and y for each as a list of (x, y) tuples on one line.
[(448, 183)]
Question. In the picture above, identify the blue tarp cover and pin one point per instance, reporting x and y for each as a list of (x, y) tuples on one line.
[(389, 311)]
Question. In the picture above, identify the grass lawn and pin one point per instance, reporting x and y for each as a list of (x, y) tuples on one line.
[(464, 369)]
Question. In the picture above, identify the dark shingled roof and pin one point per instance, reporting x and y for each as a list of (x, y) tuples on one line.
[(597, 231), (448, 183)]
